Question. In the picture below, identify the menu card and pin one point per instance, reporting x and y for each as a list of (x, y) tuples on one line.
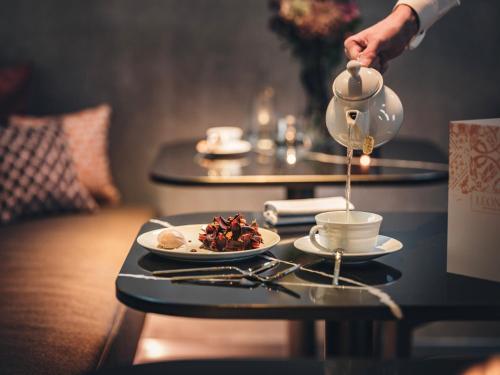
[(474, 199)]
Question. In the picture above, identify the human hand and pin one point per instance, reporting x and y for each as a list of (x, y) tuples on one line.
[(385, 40)]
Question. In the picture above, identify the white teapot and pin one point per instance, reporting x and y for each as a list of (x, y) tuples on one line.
[(362, 102)]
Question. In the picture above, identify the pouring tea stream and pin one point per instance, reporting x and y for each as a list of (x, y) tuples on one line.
[(363, 114)]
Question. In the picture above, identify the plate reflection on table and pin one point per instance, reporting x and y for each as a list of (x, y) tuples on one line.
[(222, 167), (151, 262)]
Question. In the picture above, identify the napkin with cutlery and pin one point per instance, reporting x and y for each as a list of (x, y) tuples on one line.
[(301, 211)]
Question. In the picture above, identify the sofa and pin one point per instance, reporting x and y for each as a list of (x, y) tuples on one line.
[(58, 311)]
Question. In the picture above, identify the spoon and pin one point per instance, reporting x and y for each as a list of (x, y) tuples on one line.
[(336, 268), (166, 224)]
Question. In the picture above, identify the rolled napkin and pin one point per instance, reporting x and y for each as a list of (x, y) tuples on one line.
[(301, 211)]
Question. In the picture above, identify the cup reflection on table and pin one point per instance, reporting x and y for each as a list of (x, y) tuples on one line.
[(223, 167), (220, 135)]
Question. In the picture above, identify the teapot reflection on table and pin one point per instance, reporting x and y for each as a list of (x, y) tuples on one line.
[(362, 101)]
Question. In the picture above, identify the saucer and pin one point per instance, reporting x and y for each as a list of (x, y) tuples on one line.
[(385, 245), (238, 147)]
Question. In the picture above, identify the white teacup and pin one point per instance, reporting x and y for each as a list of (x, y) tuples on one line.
[(356, 235), (223, 134)]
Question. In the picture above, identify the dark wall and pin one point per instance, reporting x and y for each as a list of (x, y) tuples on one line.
[(170, 69)]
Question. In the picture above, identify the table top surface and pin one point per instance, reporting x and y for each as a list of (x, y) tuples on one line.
[(415, 278), (397, 162)]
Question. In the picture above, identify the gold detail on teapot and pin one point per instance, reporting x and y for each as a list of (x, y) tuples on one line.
[(368, 145)]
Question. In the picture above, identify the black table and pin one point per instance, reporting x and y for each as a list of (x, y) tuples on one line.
[(441, 366), (415, 278), (398, 162)]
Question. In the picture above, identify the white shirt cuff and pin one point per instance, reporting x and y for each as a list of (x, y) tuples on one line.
[(428, 12), (416, 40)]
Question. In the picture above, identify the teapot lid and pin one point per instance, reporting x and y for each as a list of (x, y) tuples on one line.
[(357, 82)]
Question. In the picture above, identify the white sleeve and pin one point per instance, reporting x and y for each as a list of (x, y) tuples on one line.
[(428, 12)]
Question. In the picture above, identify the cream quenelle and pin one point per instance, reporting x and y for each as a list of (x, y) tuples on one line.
[(171, 239)]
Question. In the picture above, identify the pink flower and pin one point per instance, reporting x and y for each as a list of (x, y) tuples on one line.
[(318, 18)]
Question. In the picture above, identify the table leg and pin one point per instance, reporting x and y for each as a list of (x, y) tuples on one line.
[(361, 335), (349, 338), (299, 192), (302, 339), (336, 339), (394, 339)]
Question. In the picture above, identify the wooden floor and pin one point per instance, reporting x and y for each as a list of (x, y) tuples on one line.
[(169, 338)]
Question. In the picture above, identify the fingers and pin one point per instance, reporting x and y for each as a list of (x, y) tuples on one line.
[(379, 63), (353, 46), (369, 56), (366, 52), (357, 47)]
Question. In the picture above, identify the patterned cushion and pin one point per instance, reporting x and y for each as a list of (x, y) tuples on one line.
[(87, 134), (37, 174), (14, 82)]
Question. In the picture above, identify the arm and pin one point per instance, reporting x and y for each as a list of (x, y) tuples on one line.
[(404, 27)]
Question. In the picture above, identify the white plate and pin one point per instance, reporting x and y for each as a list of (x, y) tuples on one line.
[(230, 148), (149, 240), (385, 245)]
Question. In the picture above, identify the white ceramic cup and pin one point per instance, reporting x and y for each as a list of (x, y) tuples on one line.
[(358, 235), (223, 134)]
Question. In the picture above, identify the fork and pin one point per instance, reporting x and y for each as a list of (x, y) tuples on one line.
[(276, 276), (251, 276), (241, 273)]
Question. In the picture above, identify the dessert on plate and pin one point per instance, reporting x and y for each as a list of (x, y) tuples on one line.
[(231, 234)]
